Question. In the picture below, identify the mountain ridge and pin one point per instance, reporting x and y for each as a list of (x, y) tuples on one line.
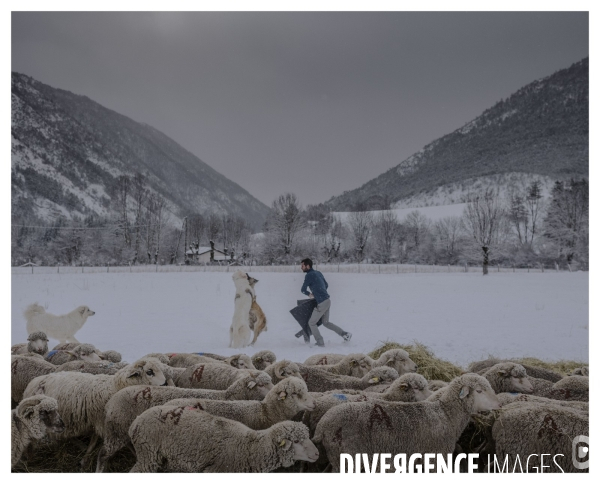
[(541, 129), (63, 143)]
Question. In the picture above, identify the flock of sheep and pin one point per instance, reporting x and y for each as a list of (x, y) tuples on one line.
[(202, 412)]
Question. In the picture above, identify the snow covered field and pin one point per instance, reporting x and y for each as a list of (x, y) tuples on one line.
[(460, 316)]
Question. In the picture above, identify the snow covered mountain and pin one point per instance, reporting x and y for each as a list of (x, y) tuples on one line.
[(68, 151), (541, 133)]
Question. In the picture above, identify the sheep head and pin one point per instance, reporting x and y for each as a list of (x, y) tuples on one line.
[(40, 414), (145, 371), (475, 392), (292, 443), (294, 393)]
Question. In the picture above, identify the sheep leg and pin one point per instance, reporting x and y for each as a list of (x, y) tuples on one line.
[(86, 456), (72, 339)]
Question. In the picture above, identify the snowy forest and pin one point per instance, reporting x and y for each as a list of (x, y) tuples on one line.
[(520, 229)]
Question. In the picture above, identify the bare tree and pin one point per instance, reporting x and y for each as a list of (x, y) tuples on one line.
[(285, 221), (448, 233), (385, 234), (416, 227), (138, 192), (360, 226), (213, 227), (483, 219), (123, 188), (332, 240)]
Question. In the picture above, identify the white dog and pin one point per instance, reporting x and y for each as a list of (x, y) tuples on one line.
[(240, 332), (62, 328)]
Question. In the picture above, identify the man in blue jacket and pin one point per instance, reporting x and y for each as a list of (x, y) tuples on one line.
[(318, 287)]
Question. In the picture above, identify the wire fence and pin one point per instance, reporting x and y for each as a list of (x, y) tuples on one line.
[(325, 268)]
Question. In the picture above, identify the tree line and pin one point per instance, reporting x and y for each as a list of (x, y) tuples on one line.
[(520, 229)]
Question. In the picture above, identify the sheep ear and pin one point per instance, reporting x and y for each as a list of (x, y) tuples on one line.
[(282, 396), (353, 363), (281, 373), (234, 362), (404, 386), (464, 391), (134, 373), (390, 360), (83, 310), (286, 444), (69, 352), (375, 379), (258, 359), (501, 372), (251, 384)]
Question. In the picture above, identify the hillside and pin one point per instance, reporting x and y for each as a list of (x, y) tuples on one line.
[(68, 151), (541, 131)]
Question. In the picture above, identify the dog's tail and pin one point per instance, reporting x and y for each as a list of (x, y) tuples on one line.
[(30, 312)]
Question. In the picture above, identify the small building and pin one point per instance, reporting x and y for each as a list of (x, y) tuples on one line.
[(202, 255)]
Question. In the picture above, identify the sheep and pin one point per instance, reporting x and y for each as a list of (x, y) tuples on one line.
[(111, 355), (185, 439), (37, 343), (399, 427), (85, 352), (65, 346), (583, 371), (435, 385), (575, 382), (397, 358), (211, 376), (480, 367), (23, 369), (260, 359), (569, 388), (318, 380), (354, 364), (162, 357), (282, 369), (31, 420), (508, 377), (283, 402), (186, 360), (125, 405), (82, 397), (410, 387), (506, 398), (525, 429), (171, 374), (94, 368), (263, 358)]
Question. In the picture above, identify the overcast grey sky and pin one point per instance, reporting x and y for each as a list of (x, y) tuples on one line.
[(312, 103)]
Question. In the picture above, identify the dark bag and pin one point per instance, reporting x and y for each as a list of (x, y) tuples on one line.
[(302, 313)]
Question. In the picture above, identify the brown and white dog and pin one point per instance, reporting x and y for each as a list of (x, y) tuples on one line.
[(258, 320)]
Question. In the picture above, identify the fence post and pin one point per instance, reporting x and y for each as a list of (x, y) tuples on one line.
[(466, 267), (568, 265), (358, 268), (379, 268), (415, 268), (556, 265), (498, 267), (542, 266), (156, 268), (513, 268), (108, 267), (57, 268), (32, 269), (527, 268)]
